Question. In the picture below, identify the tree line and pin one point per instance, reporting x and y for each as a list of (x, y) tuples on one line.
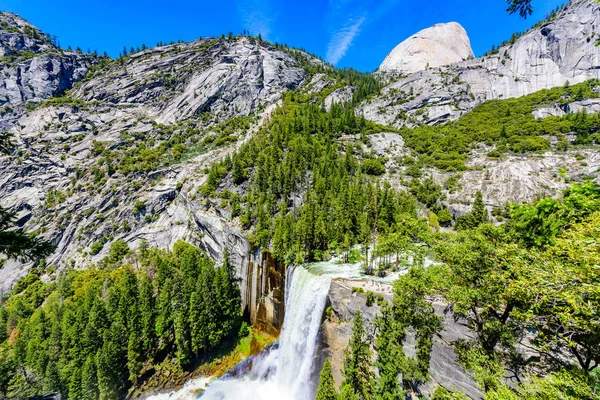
[(94, 333)]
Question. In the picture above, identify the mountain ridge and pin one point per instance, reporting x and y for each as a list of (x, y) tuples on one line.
[(103, 136)]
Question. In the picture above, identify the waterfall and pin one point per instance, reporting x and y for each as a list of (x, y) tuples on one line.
[(285, 373)]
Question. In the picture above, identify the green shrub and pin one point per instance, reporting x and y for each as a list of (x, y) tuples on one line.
[(373, 167), (96, 247), (370, 298), (139, 206)]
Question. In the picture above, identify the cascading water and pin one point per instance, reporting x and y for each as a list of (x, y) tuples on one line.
[(284, 374)]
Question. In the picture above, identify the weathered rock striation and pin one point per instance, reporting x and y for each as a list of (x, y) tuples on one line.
[(172, 90), (34, 68)]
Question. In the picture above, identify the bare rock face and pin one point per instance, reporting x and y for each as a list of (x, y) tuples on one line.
[(560, 50), (174, 90), (519, 178), (442, 44), (33, 67), (336, 332), (18, 35)]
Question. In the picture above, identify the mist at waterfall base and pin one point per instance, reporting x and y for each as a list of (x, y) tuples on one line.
[(285, 372)]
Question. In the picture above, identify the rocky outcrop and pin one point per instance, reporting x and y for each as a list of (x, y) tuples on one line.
[(336, 332), (339, 96), (442, 44), (33, 67), (217, 77), (591, 106), (517, 178), (560, 50), (264, 291), (42, 77), (18, 36)]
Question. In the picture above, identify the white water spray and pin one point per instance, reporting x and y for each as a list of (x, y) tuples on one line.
[(285, 373)]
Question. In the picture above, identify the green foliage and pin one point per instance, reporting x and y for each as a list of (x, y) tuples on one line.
[(64, 101), (97, 246), (559, 293), (426, 191), (54, 198), (404, 242), (538, 223), (139, 206), (373, 167), (358, 374), (16, 243), (564, 384), (485, 366), (477, 273), (169, 144), (298, 154), (509, 124), (391, 360), (503, 284), (94, 333), (326, 389), (410, 309), (118, 250), (441, 393), (6, 142), (444, 217), (477, 216)]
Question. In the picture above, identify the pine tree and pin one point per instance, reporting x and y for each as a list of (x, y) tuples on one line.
[(477, 216), (181, 325), (391, 361), (357, 372), (232, 297), (147, 316), (134, 357), (326, 389), (75, 392), (52, 382), (197, 332), (347, 392), (89, 381), (98, 322), (164, 318), (112, 363), (479, 212)]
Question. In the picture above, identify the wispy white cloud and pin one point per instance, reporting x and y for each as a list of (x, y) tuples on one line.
[(347, 18), (257, 16), (342, 40)]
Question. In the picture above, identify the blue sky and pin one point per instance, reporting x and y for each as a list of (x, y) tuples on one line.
[(348, 33)]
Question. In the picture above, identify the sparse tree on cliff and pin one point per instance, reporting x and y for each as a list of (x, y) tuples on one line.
[(358, 372), (326, 390)]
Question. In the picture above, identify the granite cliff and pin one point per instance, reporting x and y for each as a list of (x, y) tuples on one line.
[(440, 45)]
